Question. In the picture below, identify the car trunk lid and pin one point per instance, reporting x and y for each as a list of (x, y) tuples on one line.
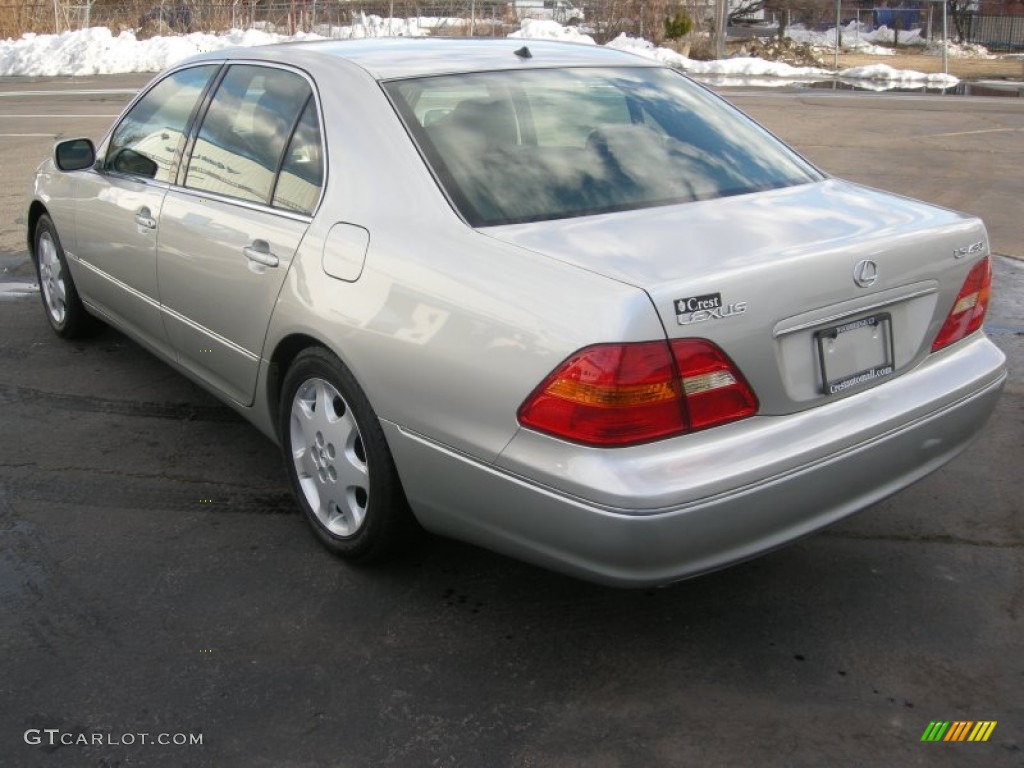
[(814, 291)]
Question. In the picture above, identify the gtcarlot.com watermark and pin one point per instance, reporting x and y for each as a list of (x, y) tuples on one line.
[(55, 737)]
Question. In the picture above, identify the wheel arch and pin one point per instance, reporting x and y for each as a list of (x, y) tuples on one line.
[(285, 351), (35, 212)]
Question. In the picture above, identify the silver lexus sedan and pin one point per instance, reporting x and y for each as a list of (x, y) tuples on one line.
[(551, 299)]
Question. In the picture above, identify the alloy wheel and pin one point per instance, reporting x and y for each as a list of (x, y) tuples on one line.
[(51, 279), (330, 458)]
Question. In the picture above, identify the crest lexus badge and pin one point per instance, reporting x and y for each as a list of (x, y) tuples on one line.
[(697, 309), (865, 273)]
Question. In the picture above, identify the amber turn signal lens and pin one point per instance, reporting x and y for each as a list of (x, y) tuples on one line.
[(624, 394)]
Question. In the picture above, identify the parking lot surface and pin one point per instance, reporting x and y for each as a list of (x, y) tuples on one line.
[(157, 582)]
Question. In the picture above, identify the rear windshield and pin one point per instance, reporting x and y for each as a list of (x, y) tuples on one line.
[(550, 144)]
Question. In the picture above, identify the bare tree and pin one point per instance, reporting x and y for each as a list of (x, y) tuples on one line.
[(960, 11), (640, 18), (744, 10)]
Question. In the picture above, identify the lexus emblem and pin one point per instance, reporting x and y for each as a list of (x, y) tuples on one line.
[(865, 273)]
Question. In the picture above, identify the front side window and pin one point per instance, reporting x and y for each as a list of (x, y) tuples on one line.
[(242, 138), (542, 144), (145, 142)]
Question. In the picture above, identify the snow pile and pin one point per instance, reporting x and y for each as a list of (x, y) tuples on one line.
[(541, 29), (648, 50), (740, 67), (748, 68), (855, 37), (859, 38), (438, 24), (906, 37), (868, 49), (898, 76), (376, 26), (97, 52), (737, 81), (955, 50)]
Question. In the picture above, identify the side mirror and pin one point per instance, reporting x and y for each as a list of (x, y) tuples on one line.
[(135, 164), (74, 155)]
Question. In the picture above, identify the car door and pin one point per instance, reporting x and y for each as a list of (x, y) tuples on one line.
[(229, 230), (119, 203)]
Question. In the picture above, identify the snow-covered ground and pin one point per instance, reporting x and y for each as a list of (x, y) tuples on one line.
[(97, 51)]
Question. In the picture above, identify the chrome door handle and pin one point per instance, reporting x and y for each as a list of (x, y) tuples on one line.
[(145, 219), (259, 252)]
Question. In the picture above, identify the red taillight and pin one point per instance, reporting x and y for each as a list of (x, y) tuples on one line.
[(714, 390), (968, 312), (623, 394)]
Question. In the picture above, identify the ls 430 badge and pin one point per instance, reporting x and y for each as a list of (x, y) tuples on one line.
[(969, 250), (697, 309)]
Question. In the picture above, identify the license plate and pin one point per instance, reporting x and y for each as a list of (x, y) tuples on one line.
[(855, 353)]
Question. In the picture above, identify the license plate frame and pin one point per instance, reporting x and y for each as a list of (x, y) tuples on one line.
[(855, 352)]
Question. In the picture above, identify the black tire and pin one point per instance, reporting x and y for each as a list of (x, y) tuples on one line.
[(338, 462), (64, 309)]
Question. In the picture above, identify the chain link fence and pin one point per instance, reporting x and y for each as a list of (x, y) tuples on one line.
[(604, 19), (479, 17)]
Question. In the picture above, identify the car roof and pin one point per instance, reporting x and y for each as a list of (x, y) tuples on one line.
[(394, 58)]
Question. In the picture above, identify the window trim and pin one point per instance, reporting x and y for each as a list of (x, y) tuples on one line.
[(216, 197), (179, 182)]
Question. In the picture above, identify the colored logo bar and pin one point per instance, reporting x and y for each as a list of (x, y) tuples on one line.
[(958, 730)]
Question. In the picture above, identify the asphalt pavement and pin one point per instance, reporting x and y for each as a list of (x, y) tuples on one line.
[(158, 585)]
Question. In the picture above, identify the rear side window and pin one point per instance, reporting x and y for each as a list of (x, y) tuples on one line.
[(243, 136), (146, 140), (531, 145), (302, 174)]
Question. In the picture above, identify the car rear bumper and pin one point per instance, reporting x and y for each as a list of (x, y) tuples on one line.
[(655, 514)]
